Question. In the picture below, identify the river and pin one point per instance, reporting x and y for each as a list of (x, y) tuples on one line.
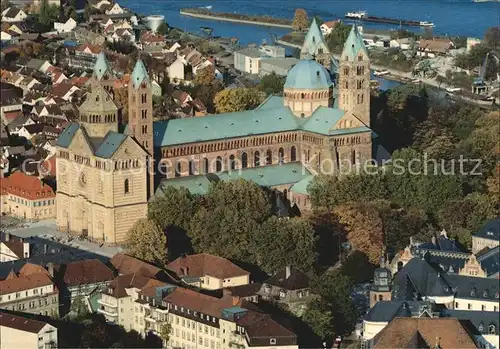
[(451, 17)]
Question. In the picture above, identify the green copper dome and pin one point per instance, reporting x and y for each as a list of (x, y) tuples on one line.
[(308, 74)]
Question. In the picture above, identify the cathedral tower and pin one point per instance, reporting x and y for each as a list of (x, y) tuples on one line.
[(99, 113), (140, 114), (315, 46), (381, 287), (354, 78), (103, 74)]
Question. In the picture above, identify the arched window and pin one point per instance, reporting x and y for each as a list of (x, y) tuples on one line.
[(281, 155), (269, 157), (353, 155), (205, 165), (302, 95), (244, 160), (192, 167), (178, 169), (218, 164), (256, 159), (380, 297), (293, 153), (126, 186), (232, 163)]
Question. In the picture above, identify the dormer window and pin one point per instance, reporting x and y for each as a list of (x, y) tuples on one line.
[(485, 294), (182, 309), (272, 341), (480, 327), (497, 295), (473, 292), (491, 329), (282, 294)]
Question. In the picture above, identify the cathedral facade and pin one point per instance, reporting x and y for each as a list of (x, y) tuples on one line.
[(107, 171)]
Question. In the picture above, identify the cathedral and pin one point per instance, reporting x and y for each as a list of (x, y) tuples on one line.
[(107, 170)]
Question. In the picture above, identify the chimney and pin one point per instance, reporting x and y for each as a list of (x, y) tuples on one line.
[(434, 240), (50, 267), (26, 249), (7, 236), (288, 271)]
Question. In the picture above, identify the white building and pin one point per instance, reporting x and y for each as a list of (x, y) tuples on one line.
[(13, 14), (327, 27), (115, 10), (247, 60), (65, 27), (17, 332)]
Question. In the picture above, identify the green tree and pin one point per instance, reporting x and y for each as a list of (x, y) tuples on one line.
[(146, 241), (319, 20), (48, 14), (357, 267), (174, 208), (165, 330), (205, 76), (319, 317), (272, 84), (338, 36), (231, 212), (282, 242), (238, 99), (5, 5), (492, 38), (336, 289), (300, 20), (162, 29)]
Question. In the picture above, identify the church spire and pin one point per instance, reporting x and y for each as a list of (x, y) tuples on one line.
[(102, 67), (353, 44)]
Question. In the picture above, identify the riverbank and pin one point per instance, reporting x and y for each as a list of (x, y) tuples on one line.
[(237, 18)]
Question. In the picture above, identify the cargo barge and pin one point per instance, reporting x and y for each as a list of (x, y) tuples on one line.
[(362, 15)]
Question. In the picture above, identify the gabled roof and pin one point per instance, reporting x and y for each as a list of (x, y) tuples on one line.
[(21, 323), (203, 264), (447, 333), (271, 117), (129, 265), (88, 271), (12, 12), (353, 45), (314, 40), (67, 135), (24, 283), (139, 74), (295, 281)]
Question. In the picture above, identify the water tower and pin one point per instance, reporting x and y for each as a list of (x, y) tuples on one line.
[(154, 21)]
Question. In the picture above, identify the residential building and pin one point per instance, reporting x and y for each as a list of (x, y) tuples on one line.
[(327, 27), (12, 15), (434, 47), (290, 287), (18, 332), (65, 27), (27, 197), (247, 60), (85, 56), (118, 300), (116, 9), (424, 332), (403, 43), (487, 236), (13, 248), (208, 271), (79, 280), (278, 66), (30, 291)]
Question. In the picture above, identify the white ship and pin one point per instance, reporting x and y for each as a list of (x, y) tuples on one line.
[(426, 24), (359, 14)]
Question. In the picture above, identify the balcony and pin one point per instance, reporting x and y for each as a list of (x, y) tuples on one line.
[(101, 310), (106, 304), (149, 318)]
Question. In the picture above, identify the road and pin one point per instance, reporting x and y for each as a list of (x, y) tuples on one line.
[(47, 229)]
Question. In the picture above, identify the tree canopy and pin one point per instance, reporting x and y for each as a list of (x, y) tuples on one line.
[(300, 20), (238, 99), (272, 84), (148, 242)]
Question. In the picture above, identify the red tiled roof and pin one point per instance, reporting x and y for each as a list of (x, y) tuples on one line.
[(30, 269), (79, 81), (87, 272), (129, 265), (449, 333), (23, 283), (21, 323), (12, 115), (134, 280), (205, 264), (25, 186), (331, 24), (93, 48), (199, 302)]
